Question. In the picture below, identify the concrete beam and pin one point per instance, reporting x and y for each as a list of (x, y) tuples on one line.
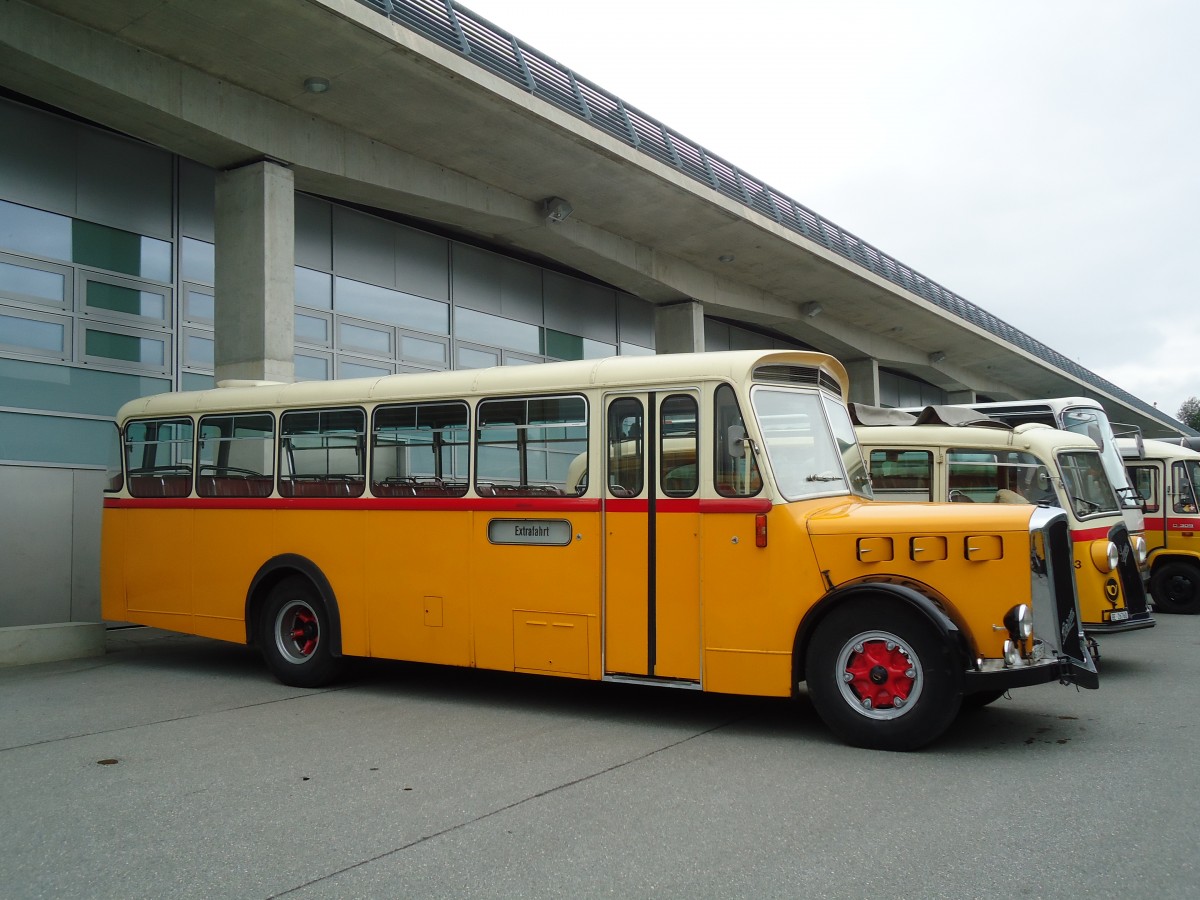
[(679, 328), (255, 273)]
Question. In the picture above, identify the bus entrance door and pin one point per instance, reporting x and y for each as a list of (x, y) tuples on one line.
[(652, 536)]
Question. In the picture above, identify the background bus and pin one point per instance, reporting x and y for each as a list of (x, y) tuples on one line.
[(1031, 463), (1167, 476), (1080, 415)]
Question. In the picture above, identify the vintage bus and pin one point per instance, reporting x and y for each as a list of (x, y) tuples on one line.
[(698, 521), (1166, 475), (1028, 464), (1081, 416)]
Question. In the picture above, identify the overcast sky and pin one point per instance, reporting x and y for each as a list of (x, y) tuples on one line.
[(1037, 157)]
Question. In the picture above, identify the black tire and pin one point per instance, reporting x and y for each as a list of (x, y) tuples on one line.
[(1176, 588), (294, 635), (910, 706)]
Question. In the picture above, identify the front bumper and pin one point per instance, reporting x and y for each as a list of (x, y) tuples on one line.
[(995, 678), (1135, 622)]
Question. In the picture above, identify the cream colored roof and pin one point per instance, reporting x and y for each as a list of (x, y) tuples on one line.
[(1156, 450), (614, 371)]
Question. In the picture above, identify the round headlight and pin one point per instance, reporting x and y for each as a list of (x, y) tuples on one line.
[(1105, 556), (1019, 622), (1139, 548)]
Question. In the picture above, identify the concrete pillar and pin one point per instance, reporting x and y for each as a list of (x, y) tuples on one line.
[(255, 277), (864, 380), (960, 397), (679, 328)]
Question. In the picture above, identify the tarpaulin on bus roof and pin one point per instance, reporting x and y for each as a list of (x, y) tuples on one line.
[(862, 414)]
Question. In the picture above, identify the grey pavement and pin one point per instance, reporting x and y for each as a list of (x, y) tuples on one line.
[(177, 767)]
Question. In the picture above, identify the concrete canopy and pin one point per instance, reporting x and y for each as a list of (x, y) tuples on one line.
[(410, 127)]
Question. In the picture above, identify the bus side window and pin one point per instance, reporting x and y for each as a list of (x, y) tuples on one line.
[(526, 446), (902, 474), (158, 457), (679, 448), (420, 450), (735, 466), (626, 447), (235, 456), (322, 453)]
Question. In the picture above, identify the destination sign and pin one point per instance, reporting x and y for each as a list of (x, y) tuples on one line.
[(548, 532)]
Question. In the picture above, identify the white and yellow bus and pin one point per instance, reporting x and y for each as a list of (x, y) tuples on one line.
[(702, 521), (1030, 464), (1166, 476)]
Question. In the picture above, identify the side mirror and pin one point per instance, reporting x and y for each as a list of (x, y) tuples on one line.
[(735, 441)]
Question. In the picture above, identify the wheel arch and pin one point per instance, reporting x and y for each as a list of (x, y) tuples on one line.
[(276, 570), (903, 594)]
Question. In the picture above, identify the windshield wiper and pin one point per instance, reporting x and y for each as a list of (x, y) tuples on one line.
[(824, 477)]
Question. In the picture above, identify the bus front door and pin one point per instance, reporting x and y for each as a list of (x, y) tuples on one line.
[(652, 536)]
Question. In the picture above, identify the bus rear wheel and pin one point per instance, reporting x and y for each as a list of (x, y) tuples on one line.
[(881, 677), (294, 635), (1176, 588)]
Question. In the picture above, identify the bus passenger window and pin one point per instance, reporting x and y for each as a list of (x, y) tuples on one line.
[(235, 456), (528, 446), (626, 447), (902, 474), (679, 449), (420, 450), (322, 453), (158, 457)]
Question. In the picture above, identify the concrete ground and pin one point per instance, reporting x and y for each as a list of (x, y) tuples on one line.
[(175, 766)]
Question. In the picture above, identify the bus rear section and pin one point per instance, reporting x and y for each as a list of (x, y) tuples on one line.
[(1165, 476)]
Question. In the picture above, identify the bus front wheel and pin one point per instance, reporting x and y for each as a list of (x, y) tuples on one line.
[(880, 677), (294, 635), (1176, 588)]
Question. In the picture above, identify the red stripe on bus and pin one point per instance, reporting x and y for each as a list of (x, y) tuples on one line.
[(479, 504), (1079, 535)]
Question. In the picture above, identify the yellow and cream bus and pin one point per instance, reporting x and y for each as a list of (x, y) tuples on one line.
[(1166, 476), (1028, 464), (698, 521)]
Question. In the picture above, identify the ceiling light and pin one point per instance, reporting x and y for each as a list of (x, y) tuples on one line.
[(316, 85), (556, 209), (937, 356), (725, 257), (812, 309)]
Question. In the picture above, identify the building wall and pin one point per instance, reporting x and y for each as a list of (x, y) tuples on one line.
[(106, 294)]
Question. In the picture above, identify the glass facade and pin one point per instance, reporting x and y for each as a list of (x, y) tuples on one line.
[(95, 313)]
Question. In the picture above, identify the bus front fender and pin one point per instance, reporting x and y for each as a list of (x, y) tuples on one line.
[(874, 590)]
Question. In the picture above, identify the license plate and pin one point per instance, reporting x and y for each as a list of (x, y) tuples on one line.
[(1119, 615)]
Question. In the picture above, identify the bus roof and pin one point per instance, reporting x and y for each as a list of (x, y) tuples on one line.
[(613, 371), (1152, 449)]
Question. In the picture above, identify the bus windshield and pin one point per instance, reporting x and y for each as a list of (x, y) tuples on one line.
[(810, 443), (1086, 483), (1094, 424)]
